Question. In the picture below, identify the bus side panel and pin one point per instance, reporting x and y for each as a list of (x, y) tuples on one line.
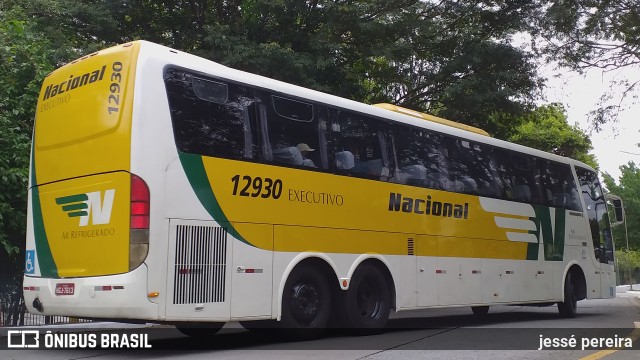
[(252, 274)]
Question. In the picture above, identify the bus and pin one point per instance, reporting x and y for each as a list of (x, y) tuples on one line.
[(168, 188)]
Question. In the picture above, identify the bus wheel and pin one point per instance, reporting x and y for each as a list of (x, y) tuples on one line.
[(306, 303), (480, 310), (367, 302), (568, 308), (200, 330)]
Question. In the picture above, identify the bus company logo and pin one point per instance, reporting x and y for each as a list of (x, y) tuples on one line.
[(74, 82), (427, 206), (541, 227), (89, 205)]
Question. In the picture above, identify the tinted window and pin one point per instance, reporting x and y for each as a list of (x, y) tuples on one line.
[(421, 158), (516, 175), (292, 109), (293, 132), (559, 188), (473, 168), (596, 210), (360, 146), (210, 117)]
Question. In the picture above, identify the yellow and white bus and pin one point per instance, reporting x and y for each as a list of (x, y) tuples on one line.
[(169, 188)]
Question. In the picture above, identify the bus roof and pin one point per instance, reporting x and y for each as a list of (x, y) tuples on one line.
[(431, 118)]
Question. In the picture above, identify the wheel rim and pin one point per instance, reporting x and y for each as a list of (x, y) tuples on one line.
[(306, 302), (368, 299)]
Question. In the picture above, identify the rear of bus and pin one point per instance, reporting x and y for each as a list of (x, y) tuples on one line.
[(88, 214)]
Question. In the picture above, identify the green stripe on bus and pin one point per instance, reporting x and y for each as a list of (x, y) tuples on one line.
[(80, 206), (46, 262), (532, 251), (197, 175), (552, 236), (72, 199), (78, 213)]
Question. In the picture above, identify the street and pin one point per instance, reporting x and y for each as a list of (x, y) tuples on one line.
[(507, 332)]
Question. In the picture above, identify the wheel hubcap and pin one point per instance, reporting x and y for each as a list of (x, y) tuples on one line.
[(368, 299), (305, 302)]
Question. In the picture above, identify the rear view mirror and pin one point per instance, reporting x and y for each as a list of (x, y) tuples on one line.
[(618, 208)]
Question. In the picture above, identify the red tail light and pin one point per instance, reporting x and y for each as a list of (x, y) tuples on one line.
[(139, 203)]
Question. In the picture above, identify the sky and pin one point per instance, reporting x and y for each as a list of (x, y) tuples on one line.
[(617, 143)]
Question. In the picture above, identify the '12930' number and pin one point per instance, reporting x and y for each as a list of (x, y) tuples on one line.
[(257, 186)]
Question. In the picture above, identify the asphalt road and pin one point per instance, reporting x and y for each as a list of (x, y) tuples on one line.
[(507, 332)]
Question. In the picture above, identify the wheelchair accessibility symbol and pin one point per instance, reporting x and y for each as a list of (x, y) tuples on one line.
[(29, 266)]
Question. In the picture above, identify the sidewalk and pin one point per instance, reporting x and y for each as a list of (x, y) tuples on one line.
[(627, 289)]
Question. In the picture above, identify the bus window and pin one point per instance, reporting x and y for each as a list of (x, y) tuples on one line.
[(419, 159), (559, 188), (293, 132), (473, 168), (360, 146), (292, 109), (209, 117), (484, 170), (596, 209), (516, 177)]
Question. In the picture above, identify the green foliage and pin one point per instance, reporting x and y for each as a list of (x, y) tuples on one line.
[(628, 189), (449, 58), (546, 128), (628, 261), (594, 34), (23, 66)]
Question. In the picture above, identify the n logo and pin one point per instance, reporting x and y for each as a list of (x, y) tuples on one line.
[(545, 226), (551, 227), (89, 205)]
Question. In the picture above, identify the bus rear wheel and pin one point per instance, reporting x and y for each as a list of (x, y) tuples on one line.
[(306, 303), (569, 307), (367, 302)]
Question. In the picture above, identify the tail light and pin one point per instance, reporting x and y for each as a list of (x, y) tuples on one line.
[(139, 228)]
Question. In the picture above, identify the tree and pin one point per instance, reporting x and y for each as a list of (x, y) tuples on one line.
[(594, 34), (629, 190), (450, 58), (23, 66), (546, 128)]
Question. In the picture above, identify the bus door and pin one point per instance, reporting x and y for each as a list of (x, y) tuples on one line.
[(596, 210), (607, 268)]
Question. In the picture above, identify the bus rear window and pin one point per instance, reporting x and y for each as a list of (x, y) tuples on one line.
[(210, 117)]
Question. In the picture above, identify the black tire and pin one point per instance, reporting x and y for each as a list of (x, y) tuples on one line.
[(306, 304), (569, 307), (480, 310), (200, 330), (367, 302)]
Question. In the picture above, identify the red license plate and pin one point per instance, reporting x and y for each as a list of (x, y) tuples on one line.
[(65, 288)]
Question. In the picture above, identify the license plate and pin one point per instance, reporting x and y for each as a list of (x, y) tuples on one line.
[(65, 288)]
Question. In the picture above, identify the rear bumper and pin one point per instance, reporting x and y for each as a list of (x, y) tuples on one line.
[(122, 296)]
